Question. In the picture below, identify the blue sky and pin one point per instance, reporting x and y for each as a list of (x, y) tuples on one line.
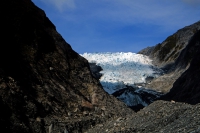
[(118, 25)]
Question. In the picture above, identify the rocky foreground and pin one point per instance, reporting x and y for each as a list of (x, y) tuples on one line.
[(160, 116), (46, 87)]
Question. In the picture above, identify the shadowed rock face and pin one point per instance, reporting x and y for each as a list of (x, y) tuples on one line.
[(169, 54), (136, 98), (42, 80), (182, 75), (187, 87)]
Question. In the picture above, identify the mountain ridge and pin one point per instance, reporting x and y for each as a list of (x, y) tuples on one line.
[(167, 56), (188, 84)]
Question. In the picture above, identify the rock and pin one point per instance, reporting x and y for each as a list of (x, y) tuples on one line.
[(42, 77), (187, 87), (171, 57), (119, 119), (160, 116), (95, 69), (172, 101)]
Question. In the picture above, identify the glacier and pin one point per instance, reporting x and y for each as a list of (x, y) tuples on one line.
[(122, 70)]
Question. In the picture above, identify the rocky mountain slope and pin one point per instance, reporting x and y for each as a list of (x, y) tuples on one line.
[(168, 55), (187, 87), (167, 52), (43, 82)]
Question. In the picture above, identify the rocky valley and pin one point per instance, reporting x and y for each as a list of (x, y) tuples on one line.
[(46, 87)]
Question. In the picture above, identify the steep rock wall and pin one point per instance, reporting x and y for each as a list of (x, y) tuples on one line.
[(168, 56), (187, 87), (42, 80)]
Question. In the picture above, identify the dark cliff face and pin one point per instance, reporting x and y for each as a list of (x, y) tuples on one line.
[(42, 80), (173, 55), (181, 60), (187, 87), (167, 52)]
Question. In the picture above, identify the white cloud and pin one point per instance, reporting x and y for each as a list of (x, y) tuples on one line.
[(167, 13), (133, 11), (61, 5)]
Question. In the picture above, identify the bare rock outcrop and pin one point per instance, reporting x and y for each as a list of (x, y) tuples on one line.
[(168, 56), (43, 82), (187, 87)]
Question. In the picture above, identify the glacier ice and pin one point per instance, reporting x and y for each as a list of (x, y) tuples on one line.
[(120, 69)]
